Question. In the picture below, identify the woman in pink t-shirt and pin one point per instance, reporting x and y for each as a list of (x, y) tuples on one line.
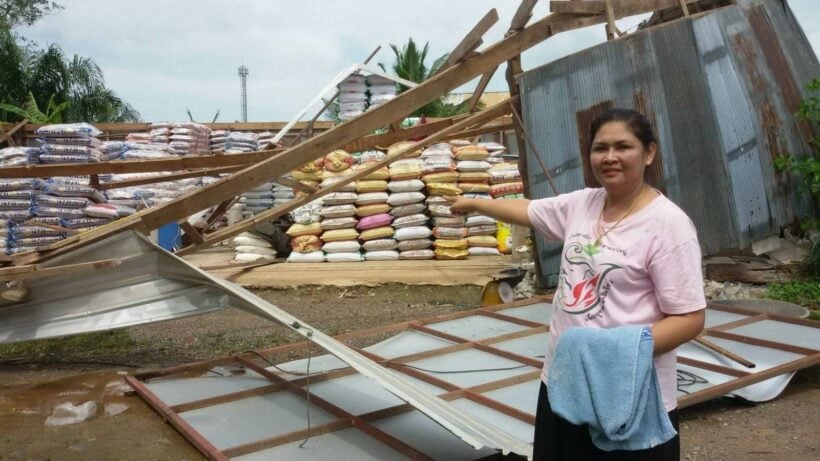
[(630, 257)]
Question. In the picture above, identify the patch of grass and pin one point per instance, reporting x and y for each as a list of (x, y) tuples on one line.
[(804, 293), (70, 346)]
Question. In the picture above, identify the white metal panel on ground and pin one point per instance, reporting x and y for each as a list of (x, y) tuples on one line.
[(522, 396), (243, 421), (476, 327), (487, 384), (184, 390), (538, 312), (406, 343), (773, 330), (347, 444), (415, 430), (529, 346), (462, 368)]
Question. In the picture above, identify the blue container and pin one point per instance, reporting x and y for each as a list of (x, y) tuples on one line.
[(168, 236)]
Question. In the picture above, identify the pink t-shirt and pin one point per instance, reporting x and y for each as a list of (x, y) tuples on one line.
[(648, 266)]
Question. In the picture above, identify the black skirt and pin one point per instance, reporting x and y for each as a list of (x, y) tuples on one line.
[(557, 439)]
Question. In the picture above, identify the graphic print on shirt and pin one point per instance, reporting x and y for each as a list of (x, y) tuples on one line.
[(583, 286)]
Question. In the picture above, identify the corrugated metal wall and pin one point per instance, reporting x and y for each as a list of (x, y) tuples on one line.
[(721, 89)]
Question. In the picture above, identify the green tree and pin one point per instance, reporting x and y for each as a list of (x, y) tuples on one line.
[(53, 81), (31, 111), (24, 12), (410, 64)]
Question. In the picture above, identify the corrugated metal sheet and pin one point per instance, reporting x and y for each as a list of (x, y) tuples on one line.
[(721, 89)]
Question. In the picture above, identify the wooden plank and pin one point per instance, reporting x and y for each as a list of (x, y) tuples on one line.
[(242, 226), (752, 378), (170, 177), (684, 8), (7, 136), (295, 185), (218, 212), (471, 41), (724, 352), (137, 166), (191, 232), (479, 89), (535, 152), (762, 342), (749, 273), (28, 272), (621, 8), (611, 28)]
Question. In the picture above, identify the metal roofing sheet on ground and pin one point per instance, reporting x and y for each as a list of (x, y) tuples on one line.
[(495, 379)]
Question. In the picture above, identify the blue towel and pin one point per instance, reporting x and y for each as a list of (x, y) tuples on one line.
[(606, 379)]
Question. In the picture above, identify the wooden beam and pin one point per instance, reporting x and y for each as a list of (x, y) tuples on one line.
[(611, 28), (295, 185), (249, 223), (479, 89), (684, 8), (137, 166), (190, 232), (7, 136), (218, 212), (724, 352), (170, 177), (33, 271), (544, 168), (471, 41), (621, 8)]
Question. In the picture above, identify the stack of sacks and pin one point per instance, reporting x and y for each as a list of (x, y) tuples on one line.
[(472, 169), (17, 156), (481, 235), (352, 97), (157, 192), (305, 232), (238, 142), (309, 174), (159, 133), (20, 230), (339, 215), (381, 90), (495, 150), (16, 200), (137, 198), (188, 138), (263, 139), (249, 248), (408, 207), (137, 147), (281, 194), (257, 199), (69, 143), (112, 150), (374, 218), (217, 140), (506, 181)]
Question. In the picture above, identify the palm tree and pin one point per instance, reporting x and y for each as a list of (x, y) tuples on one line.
[(410, 65), (52, 79)]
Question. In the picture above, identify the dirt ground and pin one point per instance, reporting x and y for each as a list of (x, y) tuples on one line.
[(35, 377)]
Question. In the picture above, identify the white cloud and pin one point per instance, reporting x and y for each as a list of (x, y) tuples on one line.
[(164, 57)]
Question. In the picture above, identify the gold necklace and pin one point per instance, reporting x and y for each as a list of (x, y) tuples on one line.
[(601, 233)]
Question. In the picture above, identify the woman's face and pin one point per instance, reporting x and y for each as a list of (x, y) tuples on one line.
[(618, 158)]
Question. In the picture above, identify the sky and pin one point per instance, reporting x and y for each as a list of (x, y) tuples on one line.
[(165, 57)]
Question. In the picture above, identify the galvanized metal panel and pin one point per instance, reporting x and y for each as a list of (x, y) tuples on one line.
[(720, 88)]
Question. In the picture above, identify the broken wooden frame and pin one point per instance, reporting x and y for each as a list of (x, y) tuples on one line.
[(526, 327), (275, 166)]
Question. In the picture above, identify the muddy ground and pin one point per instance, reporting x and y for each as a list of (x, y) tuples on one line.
[(36, 376)]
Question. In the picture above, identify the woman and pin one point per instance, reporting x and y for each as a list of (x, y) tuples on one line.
[(630, 257)]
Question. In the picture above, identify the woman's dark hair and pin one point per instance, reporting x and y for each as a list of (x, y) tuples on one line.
[(634, 120)]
